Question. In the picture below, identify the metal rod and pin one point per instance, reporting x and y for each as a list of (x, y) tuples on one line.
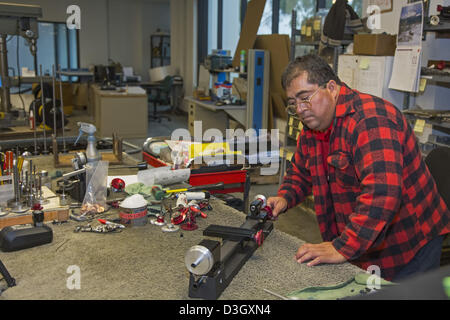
[(62, 108), (54, 99), (34, 129), (5, 105), (43, 110)]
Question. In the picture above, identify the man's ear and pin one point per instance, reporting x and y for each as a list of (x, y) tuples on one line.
[(333, 88)]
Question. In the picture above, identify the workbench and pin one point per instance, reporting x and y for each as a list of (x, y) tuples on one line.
[(145, 263), (213, 116)]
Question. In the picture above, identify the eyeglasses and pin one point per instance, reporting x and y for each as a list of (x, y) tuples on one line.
[(304, 104)]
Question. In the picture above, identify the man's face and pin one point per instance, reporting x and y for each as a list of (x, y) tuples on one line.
[(318, 114)]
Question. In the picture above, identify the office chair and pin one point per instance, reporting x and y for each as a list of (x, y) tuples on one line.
[(437, 161), (160, 96)]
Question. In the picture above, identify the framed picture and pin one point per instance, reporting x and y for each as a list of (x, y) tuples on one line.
[(385, 5)]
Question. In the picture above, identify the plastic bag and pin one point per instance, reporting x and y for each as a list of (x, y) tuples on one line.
[(96, 188), (180, 155)]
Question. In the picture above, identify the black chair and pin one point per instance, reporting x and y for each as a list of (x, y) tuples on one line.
[(437, 162), (160, 95)]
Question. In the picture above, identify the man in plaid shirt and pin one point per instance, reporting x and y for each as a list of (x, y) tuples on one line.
[(375, 199)]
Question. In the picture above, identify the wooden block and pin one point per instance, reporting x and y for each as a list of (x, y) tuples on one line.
[(52, 211), (13, 220), (65, 160)]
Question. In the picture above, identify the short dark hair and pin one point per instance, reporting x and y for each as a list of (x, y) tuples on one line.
[(319, 71)]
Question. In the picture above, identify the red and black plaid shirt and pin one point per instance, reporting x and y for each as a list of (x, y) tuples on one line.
[(377, 202)]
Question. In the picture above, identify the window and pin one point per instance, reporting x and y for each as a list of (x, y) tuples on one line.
[(231, 24), (355, 4), (265, 27), (304, 9), (56, 45), (229, 12)]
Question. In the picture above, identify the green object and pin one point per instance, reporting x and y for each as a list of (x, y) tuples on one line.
[(352, 287), (446, 284), (139, 188)]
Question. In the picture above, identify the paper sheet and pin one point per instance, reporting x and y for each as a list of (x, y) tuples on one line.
[(407, 60), (406, 70)]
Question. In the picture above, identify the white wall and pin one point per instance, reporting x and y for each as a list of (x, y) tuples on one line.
[(116, 29), (183, 41), (131, 24)]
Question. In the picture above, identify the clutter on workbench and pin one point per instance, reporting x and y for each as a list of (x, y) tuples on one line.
[(133, 211), (163, 176), (105, 226), (96, 189), (14, 238)]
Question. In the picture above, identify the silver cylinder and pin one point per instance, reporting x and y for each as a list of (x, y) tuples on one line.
[(5, 105)]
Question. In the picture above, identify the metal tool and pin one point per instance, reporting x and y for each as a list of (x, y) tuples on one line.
[(169, 227), (35, 130), (17, 206), (55, 150), (43, 111), (64, 150), (212, 266), (10, 281), (54, 99), (278, 295)]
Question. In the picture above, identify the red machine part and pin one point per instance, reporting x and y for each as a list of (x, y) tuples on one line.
[(259, 237), (117, 185), (269, 212)]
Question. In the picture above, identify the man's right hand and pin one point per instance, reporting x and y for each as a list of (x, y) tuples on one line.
[(277, 204)]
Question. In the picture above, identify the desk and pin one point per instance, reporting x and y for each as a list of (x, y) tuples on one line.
[(120, 112), (146, 263), (213, 116)]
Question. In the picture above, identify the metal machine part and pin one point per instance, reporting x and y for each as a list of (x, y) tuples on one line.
[(64, 150), (10, 281), (212, 266), (200, 259), (43, 111), (21, 20), (259, 209)]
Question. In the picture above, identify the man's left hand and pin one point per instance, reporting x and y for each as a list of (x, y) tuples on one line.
[(319, 253)]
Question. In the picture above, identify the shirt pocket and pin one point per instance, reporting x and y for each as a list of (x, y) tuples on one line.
[(341, 164)]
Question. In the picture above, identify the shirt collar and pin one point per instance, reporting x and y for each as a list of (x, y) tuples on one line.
[(343, 107)]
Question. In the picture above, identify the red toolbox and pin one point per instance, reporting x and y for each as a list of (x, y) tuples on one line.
[(234, 179)]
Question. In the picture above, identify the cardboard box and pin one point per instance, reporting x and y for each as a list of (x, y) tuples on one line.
[(80, 94), (250, 26), (375, 44)]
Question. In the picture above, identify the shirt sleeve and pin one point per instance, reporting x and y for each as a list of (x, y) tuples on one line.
[(296, 184), (378, 161)]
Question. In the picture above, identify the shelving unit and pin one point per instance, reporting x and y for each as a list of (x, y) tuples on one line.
[(159, 50), (297, 32), (290, 140), (435, 77)]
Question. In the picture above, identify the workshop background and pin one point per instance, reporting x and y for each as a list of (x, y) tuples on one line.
[(115, 79)]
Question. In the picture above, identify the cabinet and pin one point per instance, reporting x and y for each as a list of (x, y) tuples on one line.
[(159, 49)]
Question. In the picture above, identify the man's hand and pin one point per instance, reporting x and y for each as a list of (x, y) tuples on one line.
[(277, 204), (319, 253)]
